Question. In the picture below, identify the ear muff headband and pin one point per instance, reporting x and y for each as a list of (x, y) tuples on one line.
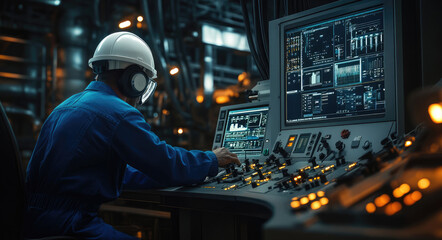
[(133, 82)]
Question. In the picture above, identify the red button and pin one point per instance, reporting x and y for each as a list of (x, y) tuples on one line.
[(345, 134)]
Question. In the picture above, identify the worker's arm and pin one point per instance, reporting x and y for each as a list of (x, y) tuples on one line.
[(134, 143)]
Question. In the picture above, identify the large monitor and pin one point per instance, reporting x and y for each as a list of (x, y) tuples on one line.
[(335, 68), (242, 129), (335, 65)]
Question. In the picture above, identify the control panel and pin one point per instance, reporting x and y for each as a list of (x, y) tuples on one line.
[(303, 161)]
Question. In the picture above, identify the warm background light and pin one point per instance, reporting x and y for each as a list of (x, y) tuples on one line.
[(200, 98), (174, 71), (323, 201), (180, 131), (435, 111), (408, 143), (124, 24), (140, 18), (320, 193), (222, 99), (312, 196)]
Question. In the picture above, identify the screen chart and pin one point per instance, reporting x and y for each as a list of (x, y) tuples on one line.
[(335, 68), (245, 130)]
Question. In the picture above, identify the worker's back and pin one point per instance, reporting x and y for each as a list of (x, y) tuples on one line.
[(73, 156), (82, 159), (73, 168)]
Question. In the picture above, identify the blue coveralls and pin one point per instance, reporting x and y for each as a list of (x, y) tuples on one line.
[(90, 147)]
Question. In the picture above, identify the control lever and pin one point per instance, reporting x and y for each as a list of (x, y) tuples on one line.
[(340, 159), (261, 176), (280, 150), (313, 161), (247, 166), (326, 145), (270, 159), (283, 152), (285, 172)]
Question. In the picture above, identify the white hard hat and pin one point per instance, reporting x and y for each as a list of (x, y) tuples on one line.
[(122, 49)]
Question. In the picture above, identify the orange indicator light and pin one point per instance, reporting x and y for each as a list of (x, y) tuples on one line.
[(315, 205), (295, 204), (382, 200), (423, 183), (323, 201), (304, 200), (393, 208), (370, 208)]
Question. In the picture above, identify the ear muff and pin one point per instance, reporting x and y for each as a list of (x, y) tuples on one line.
[(133, 82)]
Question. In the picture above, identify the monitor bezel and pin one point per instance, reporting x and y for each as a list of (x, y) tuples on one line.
[(330, 12)]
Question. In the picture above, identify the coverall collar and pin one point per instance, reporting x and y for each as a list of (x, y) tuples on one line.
[(101, 87)]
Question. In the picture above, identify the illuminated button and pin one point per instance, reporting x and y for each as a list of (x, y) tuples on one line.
[(323, 201), (290, 144), (320, 193), (370, 208), (315, 205), (295, 204), (408, 200), (401, 190), (393, 208), (304, 200), (291, 139), (382, 200), (416, 196), (312, 196), (423, 183)]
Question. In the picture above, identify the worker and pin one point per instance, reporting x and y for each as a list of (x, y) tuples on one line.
[(96, 143)]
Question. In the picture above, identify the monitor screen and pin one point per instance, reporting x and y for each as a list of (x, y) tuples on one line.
[(245, 130), (334, 69)]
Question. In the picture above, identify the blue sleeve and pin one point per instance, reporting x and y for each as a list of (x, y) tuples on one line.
[(134, 179), (166, 165)]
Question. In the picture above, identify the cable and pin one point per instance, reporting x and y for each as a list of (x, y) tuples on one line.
[(259, 45), (264, 29), (187, 75), (250, 39), (163, 64), (259, 38)]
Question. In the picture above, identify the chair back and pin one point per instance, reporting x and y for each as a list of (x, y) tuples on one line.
[(12, 200)]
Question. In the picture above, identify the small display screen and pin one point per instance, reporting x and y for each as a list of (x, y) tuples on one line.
[(302, 143), (245, 131)]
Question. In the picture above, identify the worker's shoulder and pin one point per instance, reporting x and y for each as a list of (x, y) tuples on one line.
[(103, 105)]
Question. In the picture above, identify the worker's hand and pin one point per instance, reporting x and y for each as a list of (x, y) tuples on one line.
[(225, 157)]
